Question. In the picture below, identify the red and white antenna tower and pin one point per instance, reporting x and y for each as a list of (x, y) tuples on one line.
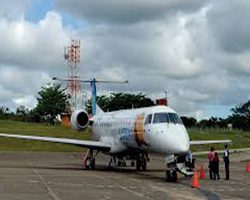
[(72, 57)]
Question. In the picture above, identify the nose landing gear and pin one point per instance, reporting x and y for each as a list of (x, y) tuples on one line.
[(179, 164), (171, 172)]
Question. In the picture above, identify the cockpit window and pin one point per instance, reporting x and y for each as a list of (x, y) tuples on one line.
[(148, 119), (166, 118), (160, 118), (174, 118)]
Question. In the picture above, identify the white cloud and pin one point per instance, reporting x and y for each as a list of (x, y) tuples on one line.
[(33, 45), (28, 101), (30, 55)]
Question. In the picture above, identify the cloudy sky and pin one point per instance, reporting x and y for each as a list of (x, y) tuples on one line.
[(197, 50)]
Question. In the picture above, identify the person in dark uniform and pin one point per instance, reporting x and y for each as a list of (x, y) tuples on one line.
[(226, 161)]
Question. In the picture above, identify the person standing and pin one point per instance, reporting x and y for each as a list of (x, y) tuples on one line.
[(210, 157), (189, 159), (226, 161), (215, 166)]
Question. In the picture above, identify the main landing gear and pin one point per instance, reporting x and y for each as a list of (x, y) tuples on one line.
[(138, 159), (89, 160), (121, 163), (141, 162)]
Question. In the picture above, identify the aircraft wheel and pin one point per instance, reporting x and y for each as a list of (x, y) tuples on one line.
[(119, 163), (174, 176), (144, 164), (138, 165), (124, 164), (86, 164), (171, 175), (92, 164)]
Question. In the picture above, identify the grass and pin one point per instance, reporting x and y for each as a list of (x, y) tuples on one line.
[(10, 144), (240, 139)]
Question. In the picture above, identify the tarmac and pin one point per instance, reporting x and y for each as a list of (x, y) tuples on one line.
[(59, 176)]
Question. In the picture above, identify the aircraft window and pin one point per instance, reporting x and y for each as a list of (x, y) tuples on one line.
[(174, 118), (160, 118), (148, 119)]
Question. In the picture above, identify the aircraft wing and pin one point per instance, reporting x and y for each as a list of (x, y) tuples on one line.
[(231, 151), (83, 143), (197, 142)]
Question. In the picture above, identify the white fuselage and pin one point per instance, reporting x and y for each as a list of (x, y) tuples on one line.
[(155, 129)]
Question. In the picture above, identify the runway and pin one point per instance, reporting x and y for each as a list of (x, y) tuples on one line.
[(59, 176)]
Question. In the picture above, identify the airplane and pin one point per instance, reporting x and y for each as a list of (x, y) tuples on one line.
[(131, 135)]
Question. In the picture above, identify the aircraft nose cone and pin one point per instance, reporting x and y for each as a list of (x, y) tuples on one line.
[(182, 143), (181, 148)]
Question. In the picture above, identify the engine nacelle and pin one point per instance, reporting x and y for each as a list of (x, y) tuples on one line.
[(79, 120)]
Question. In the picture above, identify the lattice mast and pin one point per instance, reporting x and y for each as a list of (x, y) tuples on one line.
[(72, 57)]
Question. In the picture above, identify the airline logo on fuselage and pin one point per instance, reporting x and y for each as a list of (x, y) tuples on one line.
[(138, 130)]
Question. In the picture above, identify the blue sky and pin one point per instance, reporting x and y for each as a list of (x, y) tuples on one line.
[(217, 111), (38, 9)]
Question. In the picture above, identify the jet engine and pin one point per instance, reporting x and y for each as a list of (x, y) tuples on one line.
[(79, 120)]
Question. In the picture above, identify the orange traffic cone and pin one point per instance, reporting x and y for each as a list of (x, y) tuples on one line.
[(195, 183), (202, 172), (247, 167)]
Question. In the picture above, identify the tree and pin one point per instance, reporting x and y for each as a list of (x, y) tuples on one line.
[(22, 113), (52, 101), (241, 116), (102, 101), (21, 110), (5, 112), (189, 121), (242, 110), (118, 101)]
